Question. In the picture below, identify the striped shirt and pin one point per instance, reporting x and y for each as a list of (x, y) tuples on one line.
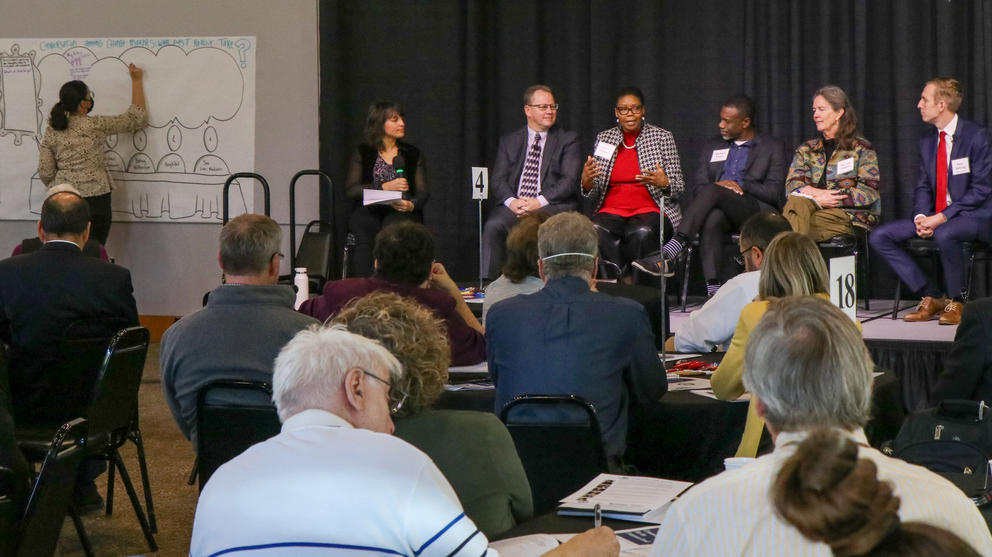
[(732, 513), (321, 487)]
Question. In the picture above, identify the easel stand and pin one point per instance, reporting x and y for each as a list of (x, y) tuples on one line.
[(480, 245)]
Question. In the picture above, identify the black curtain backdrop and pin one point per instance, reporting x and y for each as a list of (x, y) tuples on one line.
[(459, 69)]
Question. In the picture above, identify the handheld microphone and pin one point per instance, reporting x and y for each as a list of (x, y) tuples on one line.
[(398, 166)]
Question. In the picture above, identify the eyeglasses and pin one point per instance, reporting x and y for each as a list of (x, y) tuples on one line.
[(91, 97), (544, 107), (397, 396), (739, 258), (625, 110)]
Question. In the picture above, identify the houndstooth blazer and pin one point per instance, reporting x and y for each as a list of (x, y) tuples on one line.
[(654, 145)]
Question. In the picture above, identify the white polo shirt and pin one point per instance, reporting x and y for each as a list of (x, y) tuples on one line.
[(732, 513), (322, 487)]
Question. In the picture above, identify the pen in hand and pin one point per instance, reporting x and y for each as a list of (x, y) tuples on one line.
[(597, 516)]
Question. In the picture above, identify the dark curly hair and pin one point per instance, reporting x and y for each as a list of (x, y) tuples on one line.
[(404, 252)]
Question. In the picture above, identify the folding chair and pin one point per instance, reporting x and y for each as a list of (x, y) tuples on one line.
[(231, 415), (112, 418), (38, 532), (559, 443)]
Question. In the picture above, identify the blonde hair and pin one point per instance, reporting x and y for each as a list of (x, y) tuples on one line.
[(792, 266), (410, 332), (949, 91)]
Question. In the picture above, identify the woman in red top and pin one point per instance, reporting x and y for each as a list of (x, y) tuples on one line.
[(634, 172)]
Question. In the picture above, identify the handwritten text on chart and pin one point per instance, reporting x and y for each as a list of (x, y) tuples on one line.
[(188, 42)]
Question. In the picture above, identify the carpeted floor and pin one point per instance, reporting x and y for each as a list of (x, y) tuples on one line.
[(170, 458)]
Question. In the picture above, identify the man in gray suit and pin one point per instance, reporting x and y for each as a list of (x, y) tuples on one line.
[(537, 169)]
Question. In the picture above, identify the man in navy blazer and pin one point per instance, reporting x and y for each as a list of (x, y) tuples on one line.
[(551, 185), (740, 173), (952, 203), (567, 339)]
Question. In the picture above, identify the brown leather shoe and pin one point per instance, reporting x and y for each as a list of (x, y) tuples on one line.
[(952, 314), (928, 309)]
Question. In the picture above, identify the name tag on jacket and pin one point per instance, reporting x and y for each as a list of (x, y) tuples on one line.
[(720, 155), (845, 166), (960, 166), (604, 150)]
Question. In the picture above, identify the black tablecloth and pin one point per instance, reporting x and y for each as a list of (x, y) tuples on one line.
[(686, 436)]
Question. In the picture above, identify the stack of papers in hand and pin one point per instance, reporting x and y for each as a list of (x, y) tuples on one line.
[(636, 498), (374, 197)]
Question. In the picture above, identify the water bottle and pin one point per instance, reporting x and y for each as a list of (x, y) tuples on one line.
[(302, 282)]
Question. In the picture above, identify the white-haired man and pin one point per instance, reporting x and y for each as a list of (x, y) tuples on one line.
[(335, 481), (808, 368)]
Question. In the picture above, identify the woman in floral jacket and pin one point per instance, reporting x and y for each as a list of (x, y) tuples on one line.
[(832, 184)]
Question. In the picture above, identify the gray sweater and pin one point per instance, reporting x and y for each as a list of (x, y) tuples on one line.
[(236, 336)]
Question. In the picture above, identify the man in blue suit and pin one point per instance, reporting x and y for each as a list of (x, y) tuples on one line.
[(537, 169), (952, 203), (566, 339)]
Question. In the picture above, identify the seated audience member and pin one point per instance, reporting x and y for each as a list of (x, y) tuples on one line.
[(740, 173), (807, 368), (832, 185), (473, 450), (238, 334), (34, 318), (832, 496), (566, 339), (404, 255), (520, 270), (952, 203), (712, 325), (41, 295), (92, 248), (334, 478), (968, 367), (793, 267)]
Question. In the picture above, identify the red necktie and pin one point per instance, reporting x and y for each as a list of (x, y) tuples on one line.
[(941, 173)]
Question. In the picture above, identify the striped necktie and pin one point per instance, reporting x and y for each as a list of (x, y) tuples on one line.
[(532, 167)]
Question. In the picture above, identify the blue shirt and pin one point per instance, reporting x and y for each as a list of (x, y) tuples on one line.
[(733, 169)]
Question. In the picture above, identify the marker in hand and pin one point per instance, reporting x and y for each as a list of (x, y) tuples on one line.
[(597, 516)]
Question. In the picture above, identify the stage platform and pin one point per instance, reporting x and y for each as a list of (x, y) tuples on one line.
[(913, 351)]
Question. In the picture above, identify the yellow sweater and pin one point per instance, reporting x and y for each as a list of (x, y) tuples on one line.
[(727, 380)]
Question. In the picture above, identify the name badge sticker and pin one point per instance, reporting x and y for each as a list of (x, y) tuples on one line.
[(845, 166), (720, 155), (604, 150), (960, 166)]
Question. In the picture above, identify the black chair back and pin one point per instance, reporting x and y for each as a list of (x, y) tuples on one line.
[(559, 443), (72, 371), (115, 398), (231, 415), (52, 493)]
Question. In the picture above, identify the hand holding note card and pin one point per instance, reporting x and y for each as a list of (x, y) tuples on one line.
[(377, 197)]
